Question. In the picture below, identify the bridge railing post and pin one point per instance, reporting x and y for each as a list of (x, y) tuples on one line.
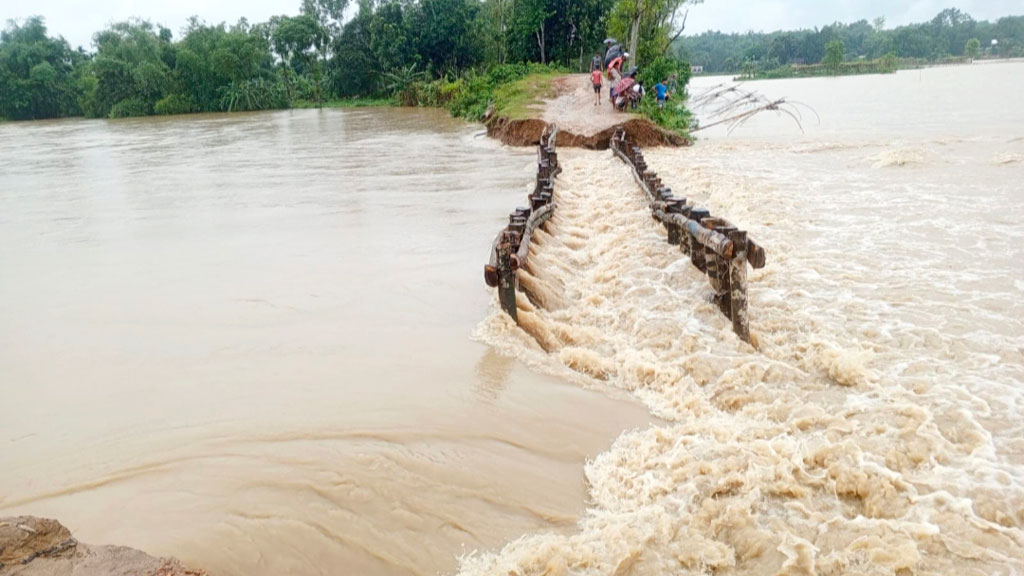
[(738, 285)]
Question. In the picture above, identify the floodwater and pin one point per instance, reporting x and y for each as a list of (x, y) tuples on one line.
[(878, 426), (246, 341), (262, 343)]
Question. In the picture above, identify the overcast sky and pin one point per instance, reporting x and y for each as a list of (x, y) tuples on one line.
[(77, 20)]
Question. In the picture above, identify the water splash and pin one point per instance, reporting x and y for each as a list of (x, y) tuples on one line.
[(867, 434)]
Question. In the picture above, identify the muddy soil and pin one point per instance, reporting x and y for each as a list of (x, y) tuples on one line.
[(581, 123)]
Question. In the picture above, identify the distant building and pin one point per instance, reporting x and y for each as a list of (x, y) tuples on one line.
[(696, 69)]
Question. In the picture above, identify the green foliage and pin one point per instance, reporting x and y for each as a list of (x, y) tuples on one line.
[(885, 65), (37, 73), (888, 63), (972, 48), (946, 34), (507, 90), (130, 108), (834, 53), (130, 70), (352, 71), (674, 116), (174, 104), (212, 58), (392, 42), (662, 69), (505, 87), (401, 79), (255, 94), (647, 27), (443, 33)]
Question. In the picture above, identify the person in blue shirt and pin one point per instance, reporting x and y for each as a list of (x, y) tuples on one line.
[(661, 90)]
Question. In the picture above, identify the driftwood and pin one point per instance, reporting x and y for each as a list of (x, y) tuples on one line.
[(511, 247), (714, 245)]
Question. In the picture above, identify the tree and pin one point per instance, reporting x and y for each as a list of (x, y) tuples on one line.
[(328, 13), (353, 69), (130, 72), (37, 73), (390, 39), (444, 35), (972, 48), (531, 21), (299, 41), (834, 53), (213, 60), (650, 25), (879, 23)]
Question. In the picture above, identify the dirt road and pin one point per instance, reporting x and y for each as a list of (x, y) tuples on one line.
[(573, 108)]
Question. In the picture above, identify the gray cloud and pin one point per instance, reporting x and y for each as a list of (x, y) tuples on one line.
[(78, 20), (771, 15)]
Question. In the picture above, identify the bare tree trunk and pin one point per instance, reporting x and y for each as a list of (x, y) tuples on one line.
[(502, 37), (634, 38), (678, 32), (540, 43)]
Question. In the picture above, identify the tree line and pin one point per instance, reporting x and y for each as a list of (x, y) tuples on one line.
[(951, 33), (138, 68)]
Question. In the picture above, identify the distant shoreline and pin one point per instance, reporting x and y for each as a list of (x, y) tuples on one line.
[(781, 73)]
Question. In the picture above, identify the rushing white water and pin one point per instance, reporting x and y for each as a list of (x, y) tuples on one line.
[(877, 427)]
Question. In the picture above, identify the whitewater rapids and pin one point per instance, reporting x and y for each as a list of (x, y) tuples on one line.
[(874, 430)]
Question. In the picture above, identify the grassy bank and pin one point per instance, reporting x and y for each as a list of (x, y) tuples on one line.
[(508, 91), (516, 91), (520, 99)]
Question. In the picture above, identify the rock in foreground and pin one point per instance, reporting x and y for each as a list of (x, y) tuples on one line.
[(32, 546)]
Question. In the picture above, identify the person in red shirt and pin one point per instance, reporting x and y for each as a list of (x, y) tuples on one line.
[(615, 67), (595, 79)]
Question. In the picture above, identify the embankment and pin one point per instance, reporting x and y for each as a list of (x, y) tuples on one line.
[(581, 122), (527, 133)]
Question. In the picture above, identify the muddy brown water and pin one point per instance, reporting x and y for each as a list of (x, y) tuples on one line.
[(877, 428), (246, 341), (255, 342)]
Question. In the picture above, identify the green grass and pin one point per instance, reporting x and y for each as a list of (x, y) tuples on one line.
[(512, 89), (521, 100)]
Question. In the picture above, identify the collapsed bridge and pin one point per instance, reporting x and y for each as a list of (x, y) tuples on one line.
[(712, 244)]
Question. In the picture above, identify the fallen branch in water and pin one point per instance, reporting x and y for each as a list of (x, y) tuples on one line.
[(734, 106)]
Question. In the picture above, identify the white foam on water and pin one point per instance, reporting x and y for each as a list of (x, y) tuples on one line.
[(875, 429), (1008, 158)]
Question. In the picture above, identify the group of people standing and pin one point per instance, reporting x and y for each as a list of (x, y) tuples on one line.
[(623, 89)]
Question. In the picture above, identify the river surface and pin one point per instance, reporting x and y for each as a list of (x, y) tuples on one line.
[(245, 341), (261, 343), (878, 426)]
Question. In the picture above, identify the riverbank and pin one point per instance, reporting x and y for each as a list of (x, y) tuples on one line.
[(885, 65), (348, 103), (31, 546), (522, 111)]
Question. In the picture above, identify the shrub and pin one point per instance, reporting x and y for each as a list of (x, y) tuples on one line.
[(130, 107), (674, 116), (174, 104), (254, 94)]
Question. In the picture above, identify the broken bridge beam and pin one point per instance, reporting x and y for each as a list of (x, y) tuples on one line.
[(511, 248)]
